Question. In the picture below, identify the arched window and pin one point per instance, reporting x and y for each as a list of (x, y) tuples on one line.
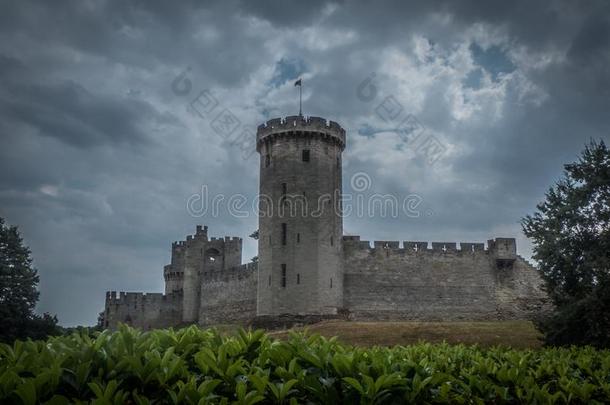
[(212, 255)]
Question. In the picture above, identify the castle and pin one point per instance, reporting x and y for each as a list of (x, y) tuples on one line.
[(307, 269)]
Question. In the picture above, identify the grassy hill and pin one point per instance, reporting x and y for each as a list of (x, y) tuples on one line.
[(516, 334)]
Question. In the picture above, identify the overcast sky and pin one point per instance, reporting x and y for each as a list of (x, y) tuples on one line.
[(99, 153)]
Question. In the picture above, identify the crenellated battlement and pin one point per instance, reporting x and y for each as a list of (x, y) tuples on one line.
[(300, 126), (137, 298), (386, 244), (415, 246), (234, 273), (226, 244), (472, 247), (201, 235), (172, 273), (226, 239), (504, 250), (354, 242)]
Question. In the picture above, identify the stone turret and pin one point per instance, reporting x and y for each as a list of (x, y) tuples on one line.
[(191, 259), (300, 226), (503, 250)]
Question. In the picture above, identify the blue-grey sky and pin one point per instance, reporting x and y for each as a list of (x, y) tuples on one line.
[(99, 153)]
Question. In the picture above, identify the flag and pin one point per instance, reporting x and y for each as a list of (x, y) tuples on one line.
[(297, 83)]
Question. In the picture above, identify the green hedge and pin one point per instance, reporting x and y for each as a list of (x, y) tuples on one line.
[(201, 366)]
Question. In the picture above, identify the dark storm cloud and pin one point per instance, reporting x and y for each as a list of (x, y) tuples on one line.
[(98, 155), (10, 66), (73, 114), (286, 14)]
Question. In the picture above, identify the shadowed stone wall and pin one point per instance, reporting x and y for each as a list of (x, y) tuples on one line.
[(229, 296), (145, 311)]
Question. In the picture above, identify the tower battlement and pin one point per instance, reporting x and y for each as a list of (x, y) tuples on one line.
[(300, 126)]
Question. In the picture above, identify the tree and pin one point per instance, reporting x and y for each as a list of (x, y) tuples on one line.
[(18, 293), (571, 235)]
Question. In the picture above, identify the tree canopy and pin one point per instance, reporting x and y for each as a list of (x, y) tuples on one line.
[(571, 235), (18, 292)]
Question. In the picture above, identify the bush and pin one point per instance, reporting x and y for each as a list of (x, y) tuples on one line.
[(585, 321), (201, 366)]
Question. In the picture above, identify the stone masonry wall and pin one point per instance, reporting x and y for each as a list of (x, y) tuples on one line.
[(145, 311), (383, 282), (520, 292), (229, 296), (442, 283)]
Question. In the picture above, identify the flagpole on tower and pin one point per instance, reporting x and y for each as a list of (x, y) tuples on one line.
[(300, 84)]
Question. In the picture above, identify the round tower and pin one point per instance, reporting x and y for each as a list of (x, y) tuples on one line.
[(300, 223)]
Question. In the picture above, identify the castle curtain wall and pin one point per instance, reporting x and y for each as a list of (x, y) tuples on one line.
[(144, 311), (229, 296), (386, 282)]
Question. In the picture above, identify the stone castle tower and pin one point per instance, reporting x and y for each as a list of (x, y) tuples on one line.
[(307, 270), (300, 225), (191, 259)]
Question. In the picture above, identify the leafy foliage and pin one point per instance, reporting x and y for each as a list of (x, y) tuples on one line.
[(571, 234), (194, 366), (18, 294)]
